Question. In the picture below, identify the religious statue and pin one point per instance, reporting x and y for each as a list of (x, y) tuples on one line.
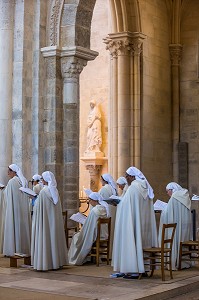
[(94, 135)]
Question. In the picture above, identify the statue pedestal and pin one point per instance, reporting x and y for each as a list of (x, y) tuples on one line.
[(94, 161)]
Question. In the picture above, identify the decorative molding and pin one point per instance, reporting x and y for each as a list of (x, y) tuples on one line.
[(175, 54), (124, 43), (54, 22), (71, 67), (76, 51)]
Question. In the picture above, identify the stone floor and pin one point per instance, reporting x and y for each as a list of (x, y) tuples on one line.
[(90, 282)]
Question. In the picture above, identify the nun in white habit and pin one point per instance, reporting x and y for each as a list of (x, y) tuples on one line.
[(135, 226), (122, 184), (37, 184), (48, 245), (17, 227), (177, 211), (109, 188), (2, 217), (82, 241)]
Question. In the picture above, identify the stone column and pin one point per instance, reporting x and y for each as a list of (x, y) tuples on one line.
[(6, 63), (135, 142), (53, 116), (61, 120), (119, 46), (175, 55), (71, 69), (125, 49), (113, 110), (73, 61)]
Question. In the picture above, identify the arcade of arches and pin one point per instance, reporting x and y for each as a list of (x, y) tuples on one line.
[(139, 59)]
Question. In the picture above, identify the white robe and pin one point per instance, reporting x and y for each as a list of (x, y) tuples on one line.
[(82, 241), (2, 219), (17, 228), (37, 188), (107, 192), (177, 212), (135, 229), (48, 245)]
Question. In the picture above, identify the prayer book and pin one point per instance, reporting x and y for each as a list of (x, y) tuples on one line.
[(28, 191), (159, 205), (79, 218), (113, 200), (21, 254), (195, 197), (2, 185)]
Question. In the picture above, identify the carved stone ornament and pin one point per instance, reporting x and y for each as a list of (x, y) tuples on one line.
[(71, 67), (175, 54), (118, 47), (54, 22), (124, 44)]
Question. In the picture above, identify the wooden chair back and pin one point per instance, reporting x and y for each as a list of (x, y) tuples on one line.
[(68, 230), (101, 247), (161, 256)]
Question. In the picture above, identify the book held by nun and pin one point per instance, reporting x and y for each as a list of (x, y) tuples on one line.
[(28, 191), (79, 218), (113, 200), (159, 205)]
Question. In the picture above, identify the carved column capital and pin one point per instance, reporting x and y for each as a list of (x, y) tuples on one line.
[(118, 47), (71, 67), (175, 54), (124, 43)]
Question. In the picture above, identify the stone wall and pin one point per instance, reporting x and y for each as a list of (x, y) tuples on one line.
[(189, 86)]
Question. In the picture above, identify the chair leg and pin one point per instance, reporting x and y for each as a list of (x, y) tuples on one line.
[(97, 255), (180, 257), (170, 266), (107, 255), (152, 262), (162, 266)]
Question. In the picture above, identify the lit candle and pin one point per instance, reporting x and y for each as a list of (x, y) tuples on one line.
[(81, 194)]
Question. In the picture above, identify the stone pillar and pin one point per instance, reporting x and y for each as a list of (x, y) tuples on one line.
[(71, 69), (135, 142), (6, 63), (53, 116), (113, 110), (73, 61), (175, 55), (125, 49), (61, 120), (22, 85), (120, 46)]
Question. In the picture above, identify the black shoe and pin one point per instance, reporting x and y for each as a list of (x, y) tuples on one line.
[(131, 276)]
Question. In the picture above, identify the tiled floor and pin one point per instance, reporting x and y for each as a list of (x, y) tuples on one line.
[(91, 282)]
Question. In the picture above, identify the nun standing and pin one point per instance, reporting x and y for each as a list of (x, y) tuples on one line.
[(2, 217), (135, 226), (109, 188), (48, 245), (177, 211), (122, 184), (82, 241), (17, 228)]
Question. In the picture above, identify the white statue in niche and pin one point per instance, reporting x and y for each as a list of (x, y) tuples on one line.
[(94, 134)]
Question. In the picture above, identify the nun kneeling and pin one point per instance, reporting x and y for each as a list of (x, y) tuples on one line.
[(82, 241), (48, 245)]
